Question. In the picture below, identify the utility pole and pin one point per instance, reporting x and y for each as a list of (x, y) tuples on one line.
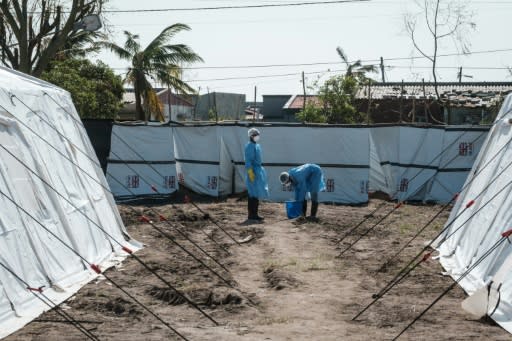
[(382, 69), (369, 101), (169, 101), (195, 104), (304, 89), (401, 100), (424, 100), (254, 112)]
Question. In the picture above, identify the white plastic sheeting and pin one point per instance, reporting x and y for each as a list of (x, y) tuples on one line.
[(477, 228), (341, 152), (461, 146), (197, 152), (49, 176), (406, 162), (210, 158), (142, 161), (423, 163)]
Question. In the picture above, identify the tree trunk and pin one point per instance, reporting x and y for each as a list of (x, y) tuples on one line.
[(139, 111)]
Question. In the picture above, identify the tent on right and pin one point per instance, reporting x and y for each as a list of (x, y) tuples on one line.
[(475, 248)]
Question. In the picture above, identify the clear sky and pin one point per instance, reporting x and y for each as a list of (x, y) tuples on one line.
[(309, 34)]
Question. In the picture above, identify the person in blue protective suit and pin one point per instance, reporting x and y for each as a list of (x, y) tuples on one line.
[(304, 179), (256, 177)]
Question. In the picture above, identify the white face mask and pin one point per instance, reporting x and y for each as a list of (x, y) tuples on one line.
[(256, 138)]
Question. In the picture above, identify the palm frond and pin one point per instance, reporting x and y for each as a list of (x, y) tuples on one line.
[(116, 49), (342, 55), (132, 44), (166, 34)]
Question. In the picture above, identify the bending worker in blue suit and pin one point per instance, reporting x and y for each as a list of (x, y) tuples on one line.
[(256, 179), (304, 179)]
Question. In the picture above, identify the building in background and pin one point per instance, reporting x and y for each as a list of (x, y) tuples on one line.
[(273, 106), (175, 107), (220, 106), (460, 103)]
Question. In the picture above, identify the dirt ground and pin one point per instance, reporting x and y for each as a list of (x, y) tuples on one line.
[(284, 283)]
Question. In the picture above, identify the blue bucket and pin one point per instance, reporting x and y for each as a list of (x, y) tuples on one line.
[(293, 209)]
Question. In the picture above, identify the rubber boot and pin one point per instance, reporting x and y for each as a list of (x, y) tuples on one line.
[(256, 207), (314, 210), (304, 207), (250, 208)]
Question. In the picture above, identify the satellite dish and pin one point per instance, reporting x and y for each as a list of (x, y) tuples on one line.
[(90, 22)]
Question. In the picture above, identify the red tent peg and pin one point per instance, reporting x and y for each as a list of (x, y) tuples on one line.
[(96, 268), (399, 205), (426, 256), (154, 189), (507, 234), (162, 218), (144, 219), (127, 250), (39, 290), (455, 197), (470, 203)]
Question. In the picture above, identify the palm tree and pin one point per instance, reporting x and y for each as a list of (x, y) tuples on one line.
[(159, 61), (355, 69)]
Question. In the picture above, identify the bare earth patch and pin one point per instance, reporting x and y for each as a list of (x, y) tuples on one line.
[(285, 282)]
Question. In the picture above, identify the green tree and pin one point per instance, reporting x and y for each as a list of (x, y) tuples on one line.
[(337, 95), (160, 61), (96, 91), (311, 113)]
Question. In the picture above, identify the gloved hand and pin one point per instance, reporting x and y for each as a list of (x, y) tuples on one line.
[(251, 175)]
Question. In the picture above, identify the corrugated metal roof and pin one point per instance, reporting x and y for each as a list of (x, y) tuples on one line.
[(297, 101), (457, 94), (474, 94)]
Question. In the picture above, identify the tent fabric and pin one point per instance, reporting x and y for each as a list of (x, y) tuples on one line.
[(470, 232), (142, 161), (422, 163), (49, 176)]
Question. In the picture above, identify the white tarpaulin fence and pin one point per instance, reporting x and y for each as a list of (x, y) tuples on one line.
[(478, 227), (408, 163), (44, 144), (420, 163), (142, 161), (210, 158)]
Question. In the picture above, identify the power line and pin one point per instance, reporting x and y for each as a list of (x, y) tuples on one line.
[(234, 7), (334, 62)]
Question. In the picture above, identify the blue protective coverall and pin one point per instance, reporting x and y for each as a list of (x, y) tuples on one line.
[(307, 178), (259, 187)]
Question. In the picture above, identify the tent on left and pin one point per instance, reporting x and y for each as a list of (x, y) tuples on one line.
[(58, 222)]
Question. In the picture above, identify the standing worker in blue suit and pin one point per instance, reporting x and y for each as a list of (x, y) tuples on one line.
[(306, 178), (256, 179)]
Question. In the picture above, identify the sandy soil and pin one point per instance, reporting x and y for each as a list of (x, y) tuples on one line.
[(287, 281)]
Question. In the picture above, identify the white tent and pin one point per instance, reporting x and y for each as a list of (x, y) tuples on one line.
[(51, 186), (471, 231)]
